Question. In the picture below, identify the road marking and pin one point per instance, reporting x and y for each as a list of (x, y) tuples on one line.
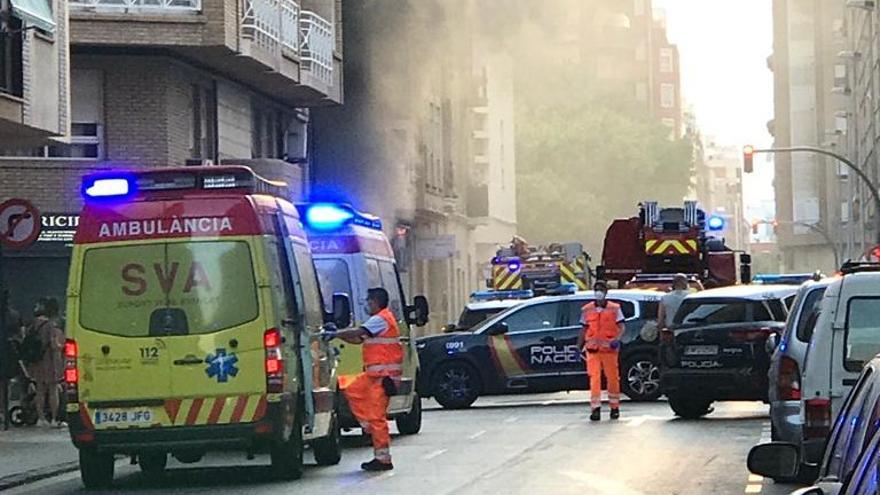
[(511, 419), (754, 478), (433, 454), (477, 435), (600, 484), (753, 488)]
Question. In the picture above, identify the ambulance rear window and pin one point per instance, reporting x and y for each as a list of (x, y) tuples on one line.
[(333, 277), (193, 287)]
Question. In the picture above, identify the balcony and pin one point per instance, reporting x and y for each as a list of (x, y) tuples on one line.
[(272, 45)]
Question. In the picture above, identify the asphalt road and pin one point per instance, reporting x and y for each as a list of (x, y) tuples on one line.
[(509, 445)]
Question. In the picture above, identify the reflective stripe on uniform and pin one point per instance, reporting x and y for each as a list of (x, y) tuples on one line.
[(383, 367)]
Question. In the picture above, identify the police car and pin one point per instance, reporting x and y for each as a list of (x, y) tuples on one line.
[(532, 347)]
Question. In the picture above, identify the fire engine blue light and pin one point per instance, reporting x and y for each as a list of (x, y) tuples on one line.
[(107, 187), (513, 266), (327, 216), (715, 223)]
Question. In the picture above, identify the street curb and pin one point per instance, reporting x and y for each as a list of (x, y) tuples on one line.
[(38, 474)]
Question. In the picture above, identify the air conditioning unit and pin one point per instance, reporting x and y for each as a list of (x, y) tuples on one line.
[(861, 4)]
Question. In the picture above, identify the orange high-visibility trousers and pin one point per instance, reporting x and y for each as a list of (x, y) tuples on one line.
[(369, 404), (607, 362)]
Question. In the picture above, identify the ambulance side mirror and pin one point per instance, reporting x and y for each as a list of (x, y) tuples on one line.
[(417, 314), (341, 310)]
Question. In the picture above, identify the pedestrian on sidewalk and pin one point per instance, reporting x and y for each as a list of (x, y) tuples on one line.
[(41, 352), (368, 393), (600, 338)]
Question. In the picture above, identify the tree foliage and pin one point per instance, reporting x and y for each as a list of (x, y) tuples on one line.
[(587, 155)]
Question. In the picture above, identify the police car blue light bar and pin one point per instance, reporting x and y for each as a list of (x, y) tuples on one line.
[(327, 217), (715, 222), (492, 295), (107, 187), (562, 289)]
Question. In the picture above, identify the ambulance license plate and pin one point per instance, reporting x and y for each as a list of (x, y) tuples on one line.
[(701, 350), (123, 417)]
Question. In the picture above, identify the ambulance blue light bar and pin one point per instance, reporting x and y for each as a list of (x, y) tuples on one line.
[(327, 217), (108, 187), (494, 295)]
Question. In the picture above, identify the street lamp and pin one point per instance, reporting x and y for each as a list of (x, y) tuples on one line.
[(749, 151)]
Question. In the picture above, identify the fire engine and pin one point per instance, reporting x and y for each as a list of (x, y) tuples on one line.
[(520, 267), (671, 240)]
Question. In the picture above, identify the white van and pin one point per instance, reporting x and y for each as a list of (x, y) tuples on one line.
[(847, 335), (351, 255)]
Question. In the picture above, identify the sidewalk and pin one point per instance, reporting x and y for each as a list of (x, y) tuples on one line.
[(31, 453)]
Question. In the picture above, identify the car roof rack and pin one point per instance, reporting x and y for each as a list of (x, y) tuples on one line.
[(859, 266)]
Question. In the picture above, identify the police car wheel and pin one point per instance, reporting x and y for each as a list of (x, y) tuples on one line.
[(689, 407), (641, 378), (328, 450), (456, 385), (95, 469), (287, 455), (411, 422), (153, 463)]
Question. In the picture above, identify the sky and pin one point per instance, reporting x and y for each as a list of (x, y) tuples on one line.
[(723, 46)]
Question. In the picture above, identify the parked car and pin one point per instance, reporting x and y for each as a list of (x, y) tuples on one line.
[(717, 347), (850, 461), (847, 334), (532, 347), (787, 361)]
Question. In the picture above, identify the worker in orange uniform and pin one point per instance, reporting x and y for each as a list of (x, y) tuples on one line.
[(368, 393), (603, 328)]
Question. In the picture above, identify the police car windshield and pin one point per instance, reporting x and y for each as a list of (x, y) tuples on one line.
[(470, 318), (167, 288), (333, 277)]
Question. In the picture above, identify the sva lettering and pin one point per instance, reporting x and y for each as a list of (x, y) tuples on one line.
[(134, 276), (551, 354)]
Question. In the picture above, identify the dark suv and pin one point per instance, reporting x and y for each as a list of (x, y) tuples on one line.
[(717, 349)]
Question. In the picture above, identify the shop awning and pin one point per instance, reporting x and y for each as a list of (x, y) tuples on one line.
[(35, 13)]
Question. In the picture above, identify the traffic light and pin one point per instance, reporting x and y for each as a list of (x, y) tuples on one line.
[(748, 154), (755, 227), (775, 227)]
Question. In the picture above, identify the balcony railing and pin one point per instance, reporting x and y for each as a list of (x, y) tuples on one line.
[(157, 6), (272, 24), (316, 46)]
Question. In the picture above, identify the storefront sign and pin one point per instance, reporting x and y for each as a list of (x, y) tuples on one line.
[(58, 227)]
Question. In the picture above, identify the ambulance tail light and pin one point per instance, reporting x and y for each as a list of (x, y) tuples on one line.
[(274, 361), (789, 379), (71, 374), (817, 418)]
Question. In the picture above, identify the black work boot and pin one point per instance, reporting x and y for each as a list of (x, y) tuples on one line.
[(377, 465), (615, 413), (596, 415)]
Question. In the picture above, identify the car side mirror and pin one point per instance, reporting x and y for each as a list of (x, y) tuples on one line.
[(417, 314), (341, 310), (772, 342), (499, 328), (450, 328), (774, 460)]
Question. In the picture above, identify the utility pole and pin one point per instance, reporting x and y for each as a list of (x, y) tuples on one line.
[(748, 151)]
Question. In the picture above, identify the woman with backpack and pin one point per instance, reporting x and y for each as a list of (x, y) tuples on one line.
[(41, 352)]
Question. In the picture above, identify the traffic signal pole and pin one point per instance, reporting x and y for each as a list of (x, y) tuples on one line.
[(842, 159)]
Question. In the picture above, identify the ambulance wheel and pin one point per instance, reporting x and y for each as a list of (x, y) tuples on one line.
[(153, 463), (688, 407), (641, 378), (328, 450), (456, 385), (411, 422), (287, 455), (95, 469)]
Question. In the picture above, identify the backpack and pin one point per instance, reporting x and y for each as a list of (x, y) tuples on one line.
[(32, 347)]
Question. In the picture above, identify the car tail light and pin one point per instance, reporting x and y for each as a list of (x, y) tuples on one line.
[(750, 335), (817, 418), (789, 384), (71, 374), (274, 361)]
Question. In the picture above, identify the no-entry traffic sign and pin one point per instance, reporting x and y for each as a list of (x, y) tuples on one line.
[(19, 223)]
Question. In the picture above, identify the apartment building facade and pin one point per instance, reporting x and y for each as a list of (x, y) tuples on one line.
[(719, 190), (174, 82), (810, 209)]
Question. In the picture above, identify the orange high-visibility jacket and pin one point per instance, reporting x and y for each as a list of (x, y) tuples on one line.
[(383, 354), (601, 327)]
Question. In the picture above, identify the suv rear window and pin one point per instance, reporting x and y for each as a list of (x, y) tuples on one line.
[(167, 288), (862, 332), (714, 311)]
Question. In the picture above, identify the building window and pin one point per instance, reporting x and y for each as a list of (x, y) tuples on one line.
[(87, 124), (11, 69), (268, 132), (666, 60), (667, 95), (204, 123)]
